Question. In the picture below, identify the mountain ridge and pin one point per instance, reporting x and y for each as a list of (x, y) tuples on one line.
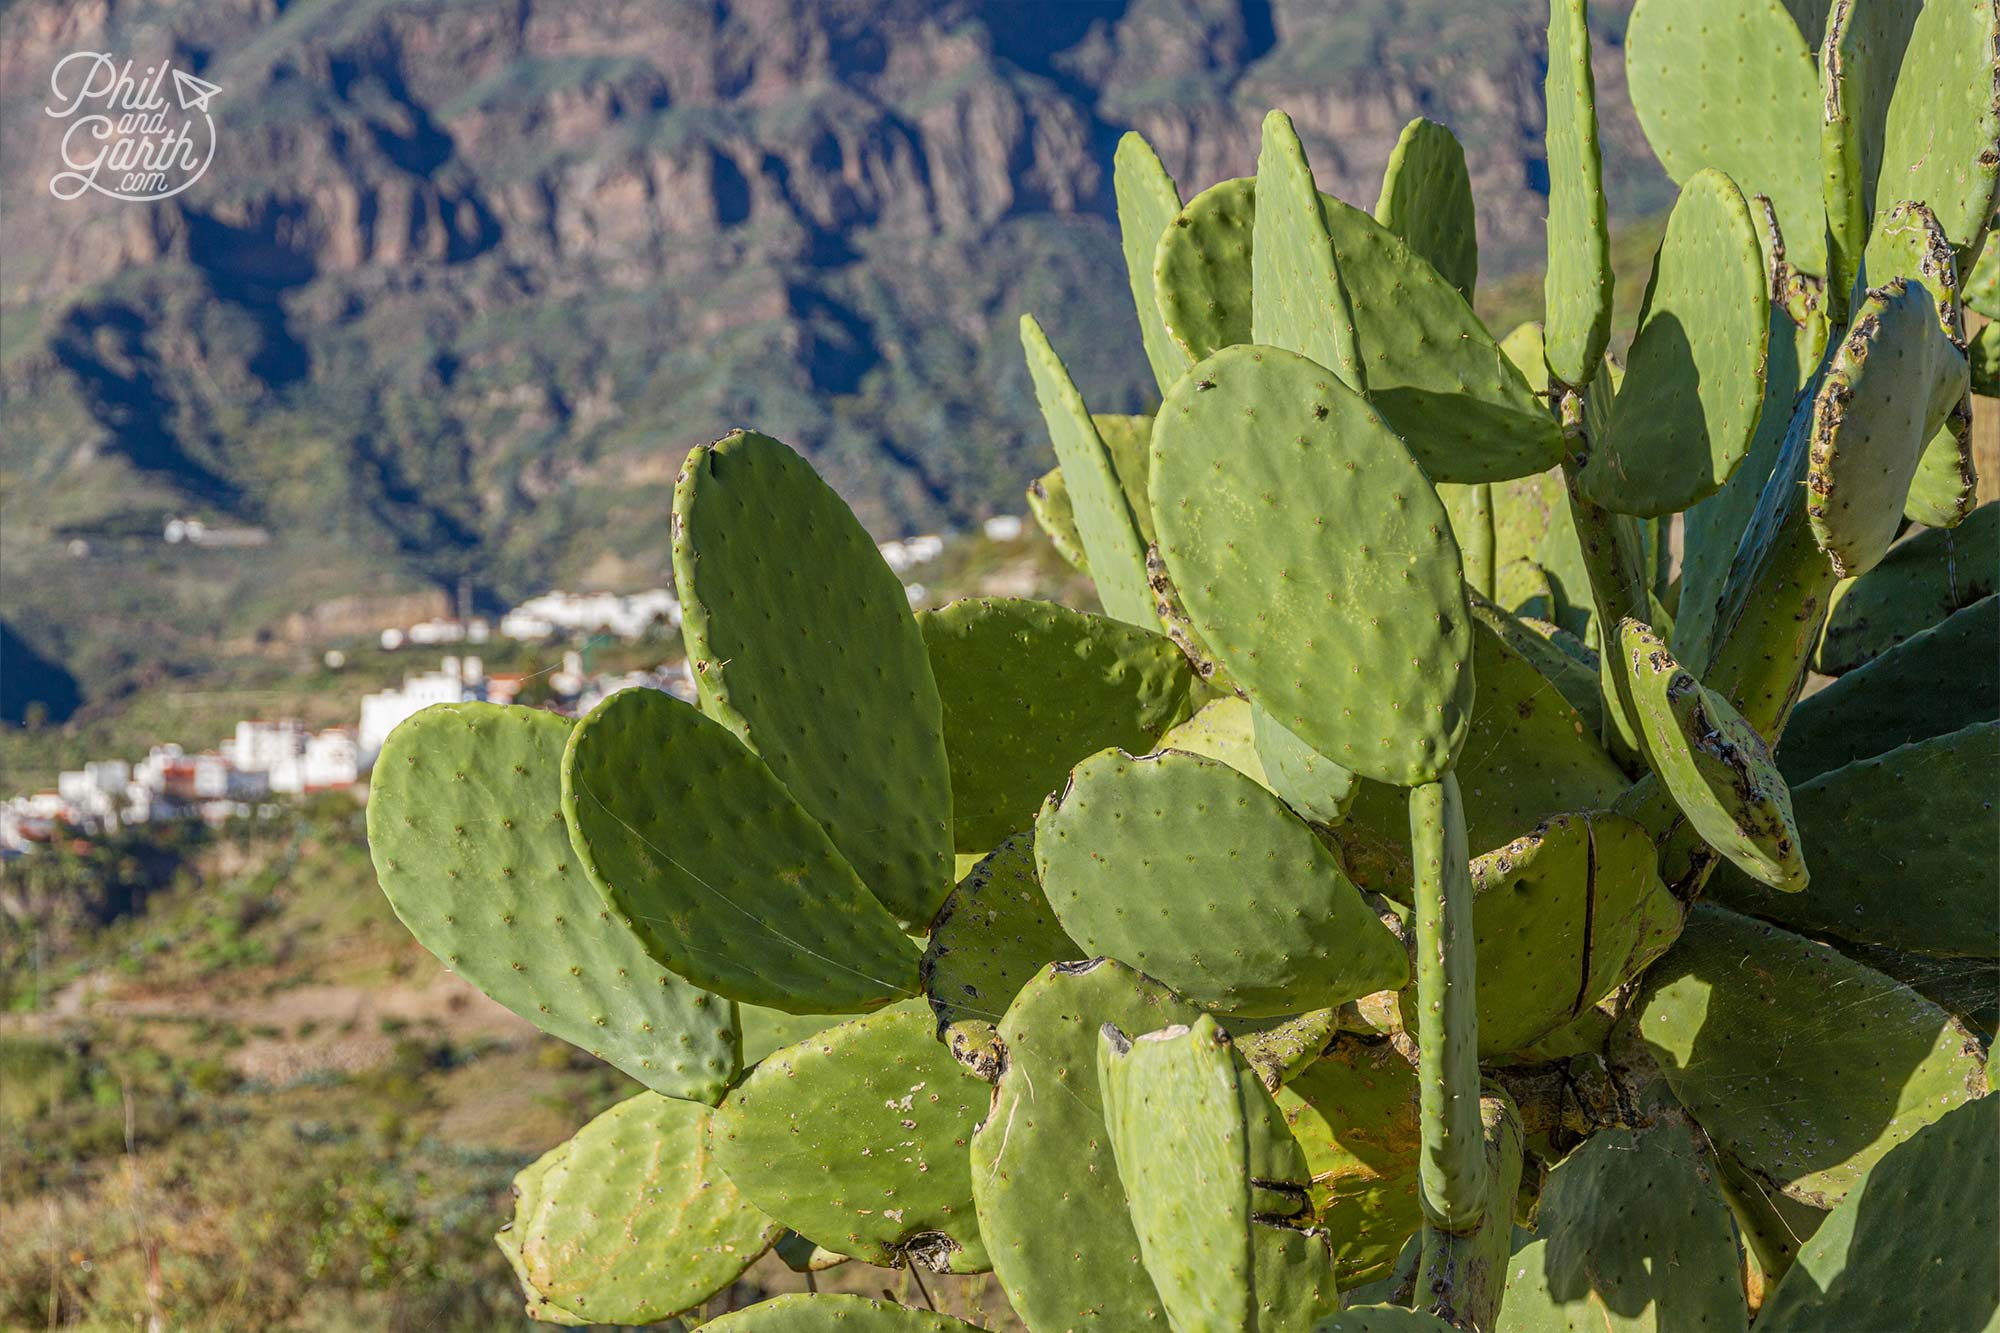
[(467, 280)]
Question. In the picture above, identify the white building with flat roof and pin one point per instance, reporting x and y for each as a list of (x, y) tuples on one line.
[(455, 681)]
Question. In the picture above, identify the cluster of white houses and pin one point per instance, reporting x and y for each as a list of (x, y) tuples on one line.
[(635, 615), (266, 759)]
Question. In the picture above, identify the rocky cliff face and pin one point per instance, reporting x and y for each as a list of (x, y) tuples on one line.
[(466, 279)]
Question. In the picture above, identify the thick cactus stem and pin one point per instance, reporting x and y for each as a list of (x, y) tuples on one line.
[(1454, 1178), (1462, 1275), (1478, 544)]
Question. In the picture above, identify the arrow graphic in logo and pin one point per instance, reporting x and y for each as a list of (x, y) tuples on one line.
[(194, 93)]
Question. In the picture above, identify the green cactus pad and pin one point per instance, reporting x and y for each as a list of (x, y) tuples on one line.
[(465, 824), (1859, 58), (1730, 84), (1714, 764), (803, 644), (1316, 560), (1354, 1114), (1804, 1065), (1908, 243), (1576, 291), (1528, 756), (1888, 390), (753, 901), (1982, 285), (1313, 785), (1562, 917), (1944, 120), (803, 1312), (1104, 521), (1694, 382), (1923, 579), (1043, 1173), (1030, 688), (1297, 299), (1201, 272), (1557, 656), (1532, 521), (1634, 1235), (1293, 1281), (1128, 438), (1244, 910), (1426, 199), (1148, 200), (527, 1192), (1223, 730), (633, 1222), (1048, 501), (1934, 682), (1907, 845), (1146, 1096), (1432, 370), (1912, 1244), (1713, 528), (1983, 352), (1946, 484), (992, 936), (857, 1138), (1177, 1133)]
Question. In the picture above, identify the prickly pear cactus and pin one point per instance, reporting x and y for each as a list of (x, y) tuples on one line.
[(1393, 913)]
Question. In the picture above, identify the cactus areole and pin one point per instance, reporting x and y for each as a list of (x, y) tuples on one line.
[(1393, 911)]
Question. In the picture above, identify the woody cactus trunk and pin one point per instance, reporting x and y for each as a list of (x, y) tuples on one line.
[(1429, 894)]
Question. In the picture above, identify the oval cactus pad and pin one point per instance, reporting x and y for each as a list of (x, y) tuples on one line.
[(1316, 559), (1029, 688), (1889, 388), (1577, 288), (695, 842), (1694, 381), (992, 936), (1178, 1133), (465, 823), (1714, 763), (856, 1137), (803, 643), (1202, 269), (1043, 1171), (630, 1221), (1189, 871), (1427, 200), (1804, 1065), (1730, 84)]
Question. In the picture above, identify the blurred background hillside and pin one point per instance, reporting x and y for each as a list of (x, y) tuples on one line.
[(429, 340), (466, 280)]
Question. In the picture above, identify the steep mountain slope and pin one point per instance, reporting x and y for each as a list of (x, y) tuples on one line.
[(466, 280)]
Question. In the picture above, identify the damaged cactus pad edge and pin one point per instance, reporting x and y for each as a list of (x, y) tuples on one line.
[(1396, 901)]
